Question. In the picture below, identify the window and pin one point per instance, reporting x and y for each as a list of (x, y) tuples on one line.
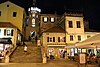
[(45, 19), (61, 39), (0, 13), (33, 14), (47, 39), (70, 24), (78, 24), (11, 32), (7, 5), (64, 39), (71, 37), (52, 19), (53, 39), (88, 36), (58, 39), (14, 14), (33, 22), (79, 38), (5, 32), (8, 32), (50, 39)]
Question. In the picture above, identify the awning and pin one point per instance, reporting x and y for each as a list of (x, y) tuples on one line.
[(90, 42), (87, 46), (5, 41)]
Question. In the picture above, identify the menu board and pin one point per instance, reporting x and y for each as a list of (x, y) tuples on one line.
[(82, 58)]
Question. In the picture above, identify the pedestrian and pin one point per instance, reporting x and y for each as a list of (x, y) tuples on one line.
[(25, 48), (29, 38)]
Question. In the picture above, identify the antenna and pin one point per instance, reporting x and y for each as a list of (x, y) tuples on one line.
[(34, 2)]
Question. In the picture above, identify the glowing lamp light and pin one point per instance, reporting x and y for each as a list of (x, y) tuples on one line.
[(34, 9)]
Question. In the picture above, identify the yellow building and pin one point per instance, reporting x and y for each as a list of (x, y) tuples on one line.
[(53, 40), (7, 30), (73, 24), (10, 12)]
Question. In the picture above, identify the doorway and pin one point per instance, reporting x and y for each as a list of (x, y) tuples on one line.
[(62, 53)]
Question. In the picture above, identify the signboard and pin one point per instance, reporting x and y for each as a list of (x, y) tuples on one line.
[(82, 58)]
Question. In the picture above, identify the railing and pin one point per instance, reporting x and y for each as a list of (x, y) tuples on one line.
[(8, 55)]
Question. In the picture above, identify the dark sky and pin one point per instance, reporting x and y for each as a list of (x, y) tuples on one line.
[(90, 8)]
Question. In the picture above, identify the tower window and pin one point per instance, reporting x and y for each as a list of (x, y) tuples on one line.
[(33, 22)]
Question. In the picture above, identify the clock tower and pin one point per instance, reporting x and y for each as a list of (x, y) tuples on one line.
[(33, 22)]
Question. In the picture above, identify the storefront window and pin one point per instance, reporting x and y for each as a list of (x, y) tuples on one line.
[(98, 52), (8, 32), (61, 39), (50, 51), (79, 50), (72, 52)]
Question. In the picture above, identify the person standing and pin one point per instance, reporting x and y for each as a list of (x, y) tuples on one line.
[(25, 48)]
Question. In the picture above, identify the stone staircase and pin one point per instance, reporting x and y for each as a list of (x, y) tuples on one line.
[(33, 54)]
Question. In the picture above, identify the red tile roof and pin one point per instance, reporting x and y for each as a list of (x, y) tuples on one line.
[(56, 29), (7, 25)]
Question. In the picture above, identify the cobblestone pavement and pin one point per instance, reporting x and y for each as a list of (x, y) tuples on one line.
[(51, 63)]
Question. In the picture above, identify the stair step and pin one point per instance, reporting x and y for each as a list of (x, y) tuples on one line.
[(33, 54)]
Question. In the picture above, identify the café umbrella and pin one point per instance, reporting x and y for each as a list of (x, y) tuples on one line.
[(92, 42)]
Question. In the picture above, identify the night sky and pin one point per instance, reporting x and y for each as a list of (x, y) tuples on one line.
[(90, 8)]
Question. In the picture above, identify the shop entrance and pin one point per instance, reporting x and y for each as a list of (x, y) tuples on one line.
[(51, 53), (62, 53)]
